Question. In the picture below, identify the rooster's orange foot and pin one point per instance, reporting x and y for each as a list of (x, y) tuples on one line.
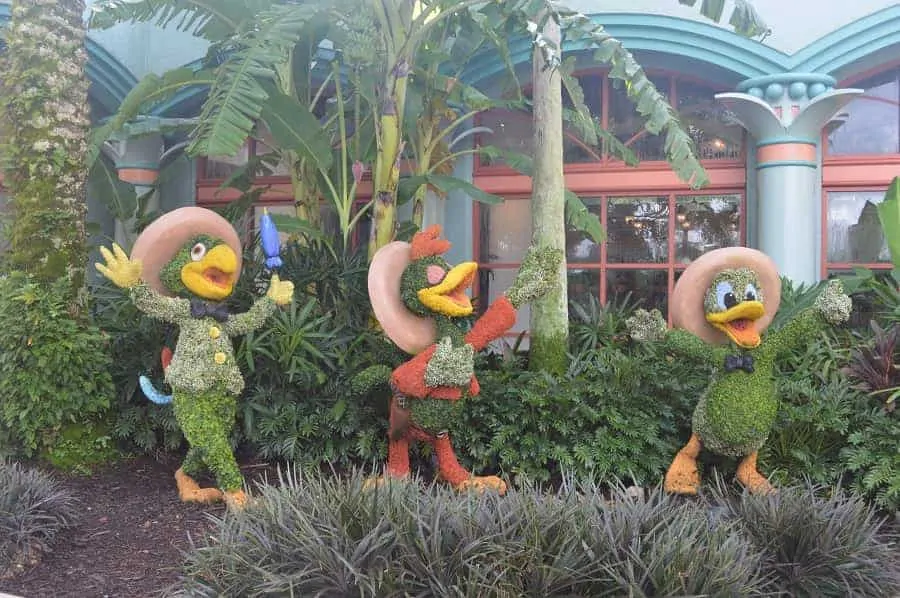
[(481, 483)]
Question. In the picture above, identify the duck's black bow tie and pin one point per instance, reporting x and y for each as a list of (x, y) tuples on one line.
[(741, 361), (202, 309)]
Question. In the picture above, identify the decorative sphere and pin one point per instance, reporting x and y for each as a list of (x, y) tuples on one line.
[(816, 89), (797, 90), (774, 91), (756, 92)]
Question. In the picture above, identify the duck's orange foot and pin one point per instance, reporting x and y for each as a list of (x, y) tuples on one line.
[(190, 491), (236, 499), (754, 481), (683, 476), (481, 483)]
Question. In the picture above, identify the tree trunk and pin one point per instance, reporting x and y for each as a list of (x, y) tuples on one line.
[(45, 110), (549, 315)]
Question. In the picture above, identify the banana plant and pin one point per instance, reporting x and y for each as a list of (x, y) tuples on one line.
[(889, 215)]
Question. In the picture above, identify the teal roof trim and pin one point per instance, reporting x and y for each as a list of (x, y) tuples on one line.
[(851, 43), (711, 44), (110, 79), (675, 36)]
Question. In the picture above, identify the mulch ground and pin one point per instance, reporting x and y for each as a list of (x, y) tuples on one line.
[(129, 541)]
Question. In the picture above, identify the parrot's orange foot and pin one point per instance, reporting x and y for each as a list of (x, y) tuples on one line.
[(683, 476), (755, 482), (236, 499), (190, 491), (481, 483)]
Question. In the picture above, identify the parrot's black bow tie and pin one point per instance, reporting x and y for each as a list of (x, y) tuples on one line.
[(202, 309)]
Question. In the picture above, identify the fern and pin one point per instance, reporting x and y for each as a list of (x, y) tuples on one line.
[(237, 96)]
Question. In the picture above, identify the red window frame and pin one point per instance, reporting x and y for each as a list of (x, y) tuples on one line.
[(612, 178), (854, 173)]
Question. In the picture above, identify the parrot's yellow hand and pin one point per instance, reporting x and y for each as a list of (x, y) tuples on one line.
[(122, 271), (280, 291)]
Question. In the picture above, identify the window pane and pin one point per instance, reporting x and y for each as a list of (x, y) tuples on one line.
[(637, 229), (575, 149), (704, 223), (221, 167), (649, 287), (583, 284), (505, 231), (265, 144), (854, 231), (626, 124), (873, 126), (511, 131), (492, 284), (716, 135), (580, 248)]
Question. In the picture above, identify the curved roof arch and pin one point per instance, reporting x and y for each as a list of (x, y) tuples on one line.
[(851, 43), (673, 36)]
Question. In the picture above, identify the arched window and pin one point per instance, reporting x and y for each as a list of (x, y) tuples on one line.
[(862, 155), (656, 225)]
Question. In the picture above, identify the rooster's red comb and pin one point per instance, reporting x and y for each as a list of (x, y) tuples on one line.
[(427, 243)]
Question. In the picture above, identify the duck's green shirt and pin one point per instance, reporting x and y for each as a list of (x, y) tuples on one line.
[(204, 356), (736, 414)]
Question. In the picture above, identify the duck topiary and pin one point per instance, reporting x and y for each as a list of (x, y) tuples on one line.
[(720, 308)]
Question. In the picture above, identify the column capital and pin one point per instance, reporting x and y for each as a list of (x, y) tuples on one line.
[(784, 117)]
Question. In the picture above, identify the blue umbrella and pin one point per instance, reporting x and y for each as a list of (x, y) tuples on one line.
[(271, 242)]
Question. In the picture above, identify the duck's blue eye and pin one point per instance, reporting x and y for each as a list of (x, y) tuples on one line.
[(750, 293), (725, 298)]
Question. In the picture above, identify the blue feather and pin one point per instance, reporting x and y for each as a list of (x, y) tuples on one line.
[(153, 394), (271, 242)]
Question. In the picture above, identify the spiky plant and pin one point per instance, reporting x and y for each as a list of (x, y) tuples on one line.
[(34, 509)]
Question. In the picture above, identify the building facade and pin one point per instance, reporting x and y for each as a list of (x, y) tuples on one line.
[(799, 133)]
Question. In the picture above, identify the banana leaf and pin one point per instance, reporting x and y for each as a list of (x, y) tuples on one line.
[(889, 214)]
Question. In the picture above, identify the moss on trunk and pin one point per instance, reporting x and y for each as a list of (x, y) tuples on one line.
[(46, 123)]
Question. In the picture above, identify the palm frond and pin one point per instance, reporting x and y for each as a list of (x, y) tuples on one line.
[(659, 116), (239, 92), (744, 18), (150, 91), (214, 20)]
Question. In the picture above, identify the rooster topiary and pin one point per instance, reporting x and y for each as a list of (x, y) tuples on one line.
[(420, 301)]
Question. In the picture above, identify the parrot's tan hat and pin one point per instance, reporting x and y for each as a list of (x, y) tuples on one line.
[(165, 236), (686, 303), (410, 332)]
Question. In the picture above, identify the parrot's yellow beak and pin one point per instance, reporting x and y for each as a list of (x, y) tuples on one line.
[(213, 276)]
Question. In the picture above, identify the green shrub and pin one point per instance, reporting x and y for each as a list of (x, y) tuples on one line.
[(34, 508), (326, 536), (135, 342), (299, 369), (54, 370)]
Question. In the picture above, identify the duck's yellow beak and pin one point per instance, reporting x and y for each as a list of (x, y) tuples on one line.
[(739, 323), (212, 277), (448, 297)]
